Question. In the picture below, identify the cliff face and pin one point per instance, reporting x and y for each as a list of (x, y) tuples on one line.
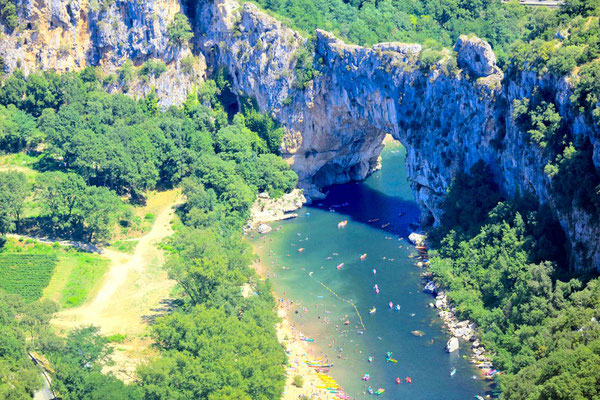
[(448, 116), (66, 35)]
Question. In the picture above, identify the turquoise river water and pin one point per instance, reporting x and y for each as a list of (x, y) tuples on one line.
[(319, 314)]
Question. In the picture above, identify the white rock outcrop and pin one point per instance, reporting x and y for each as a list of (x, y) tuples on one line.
[(452, 345), (476, 55)]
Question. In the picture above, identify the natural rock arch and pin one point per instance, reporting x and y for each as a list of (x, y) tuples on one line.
[(447, 118)]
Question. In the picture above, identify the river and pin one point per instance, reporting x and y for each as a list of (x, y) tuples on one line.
[(320, 314)]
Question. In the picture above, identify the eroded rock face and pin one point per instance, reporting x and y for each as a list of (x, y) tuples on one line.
[(476, 55), (448, 120), (67, 35)]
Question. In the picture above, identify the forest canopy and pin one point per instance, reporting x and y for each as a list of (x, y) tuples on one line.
[(97, 154)]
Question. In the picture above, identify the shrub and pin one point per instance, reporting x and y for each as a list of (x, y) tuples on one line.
[(429, 57), (564, 60), (298, 381), (8, 14), (126, 72), (187, 64), (179, 30), (152, 68), (304, 70)]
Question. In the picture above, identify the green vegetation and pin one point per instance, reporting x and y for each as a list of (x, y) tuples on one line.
[(152, 68), (298, 381), (19, 378), (116, 338), (8, 14), (179, 30), (125, 246), (542, 123), (368, 22), (35, 270), (501, 261), (78, 363), (70, 208), (98, 146), (266, 127), (87, 271), (14, 188), (575, 181), (304, 70), (95, 152), (188, 64), (534, 38), (26, 274)]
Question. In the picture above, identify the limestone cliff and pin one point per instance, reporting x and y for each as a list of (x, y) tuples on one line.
[(66, 35), (447, 118), (449, 115)]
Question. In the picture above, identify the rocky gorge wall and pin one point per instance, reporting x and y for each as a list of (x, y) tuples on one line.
[(448, 116), (67, 35)]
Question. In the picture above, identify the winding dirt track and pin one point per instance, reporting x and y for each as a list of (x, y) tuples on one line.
[(133, 288)]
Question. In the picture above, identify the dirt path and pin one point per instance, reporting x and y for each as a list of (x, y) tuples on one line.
[(135, 290), (133, 286)]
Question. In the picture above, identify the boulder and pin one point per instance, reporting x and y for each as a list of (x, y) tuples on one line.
[(476, 55), (416, 238), (264, 228), (452, 345)]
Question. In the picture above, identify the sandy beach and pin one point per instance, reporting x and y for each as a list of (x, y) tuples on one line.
[(298, 352)]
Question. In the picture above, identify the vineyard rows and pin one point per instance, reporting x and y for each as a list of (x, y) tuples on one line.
[(26, 274)]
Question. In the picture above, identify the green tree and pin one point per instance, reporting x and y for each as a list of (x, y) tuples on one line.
[(75, 209), (580, 7), (78, 372), (18, 130), (14, 190), (8, 14), (152, 68), (179, 30), (13, 89)]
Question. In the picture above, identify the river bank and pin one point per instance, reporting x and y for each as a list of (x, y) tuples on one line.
[(298, 351), (465, 330), (266, 210)]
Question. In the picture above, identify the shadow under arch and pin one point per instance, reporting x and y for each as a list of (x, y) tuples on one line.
[(364, 203)]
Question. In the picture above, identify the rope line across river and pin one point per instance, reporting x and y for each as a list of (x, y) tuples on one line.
[(344, 300)]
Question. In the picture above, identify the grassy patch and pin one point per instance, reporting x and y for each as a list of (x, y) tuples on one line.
[(117, 338), (19, 160), (125, 246), (73, 276), (77, 275), (145, 216)]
